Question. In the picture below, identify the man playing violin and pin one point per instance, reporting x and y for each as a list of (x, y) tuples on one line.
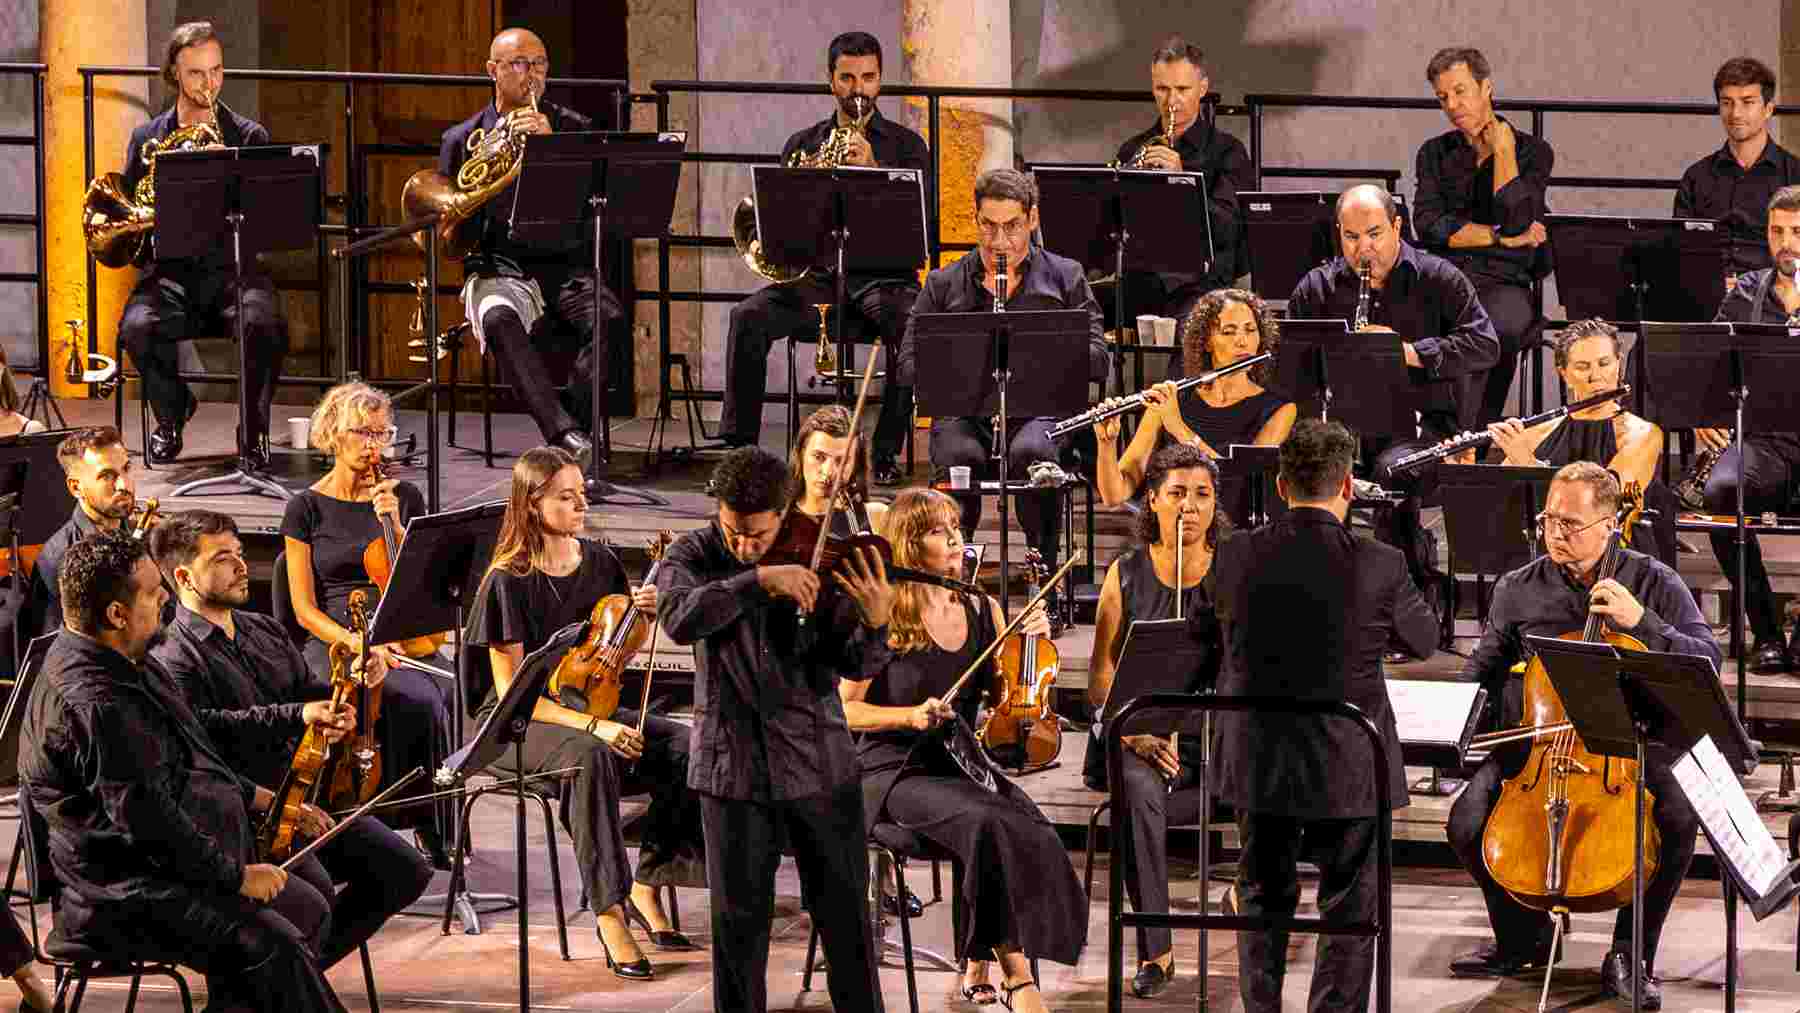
[(98, 473), (1552, 596), (224, 658)]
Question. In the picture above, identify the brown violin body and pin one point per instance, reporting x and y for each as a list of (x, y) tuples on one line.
[(1022, 730), (378, 563), (352, 774), (799, 535), (589, 676), (275, 839)]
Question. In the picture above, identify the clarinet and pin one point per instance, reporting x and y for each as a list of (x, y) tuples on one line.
[(1000, 280), (1464, 441), (1361, 323)]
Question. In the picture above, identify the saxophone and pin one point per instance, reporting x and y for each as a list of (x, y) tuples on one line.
[(1691, 490), (832, 152), (1361, 322)]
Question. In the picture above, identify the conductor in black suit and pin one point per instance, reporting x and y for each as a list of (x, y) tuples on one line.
[(1304, 786)]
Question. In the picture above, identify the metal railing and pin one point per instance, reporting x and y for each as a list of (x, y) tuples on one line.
[(34, 141)]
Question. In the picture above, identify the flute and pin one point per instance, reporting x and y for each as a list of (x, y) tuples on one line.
[(1131, 403), (1468, 440)]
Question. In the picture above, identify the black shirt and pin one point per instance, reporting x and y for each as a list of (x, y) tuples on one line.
[(1047, 281), (339, 531), (1752, 300), (43, 606), (1453, 191), (1431, 304), (893, 147), (1234, 423), (1206, 149), (768, 723), (1718, 187), (259, 667), (528, 610), (485, 233), (911, 677), (236, 131)]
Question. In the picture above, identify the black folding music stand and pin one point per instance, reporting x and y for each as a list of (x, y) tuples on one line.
[(590, 185), (1320, 359), (252, 201), (1627, 269), (43, 507), (1251, 467), (1490, 515), (1288, 233), (971, 375)]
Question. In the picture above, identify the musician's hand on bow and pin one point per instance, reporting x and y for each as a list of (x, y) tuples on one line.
[(929, 714), (334, 723), (1713, 439), (864, 577), (621, 739), (262, 881), (1037, 622), (1510, 437), (1157, 751), (313, 821), (858, 152), (644, 599), (1609, 598), (791, 581)]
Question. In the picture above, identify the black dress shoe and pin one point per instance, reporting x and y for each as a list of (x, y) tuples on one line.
[(666, 939), (637, 970), (1769, 657), (165, 439), (432, 847), (1151, 979), (1615, 977), (914, 906), (576, 443), (887, 473), (1488, 961)]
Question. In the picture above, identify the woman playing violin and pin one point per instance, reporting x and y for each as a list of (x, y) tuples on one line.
[(1142, 584), (1019, 895), (326, 530), (821, 452), (544, 577)]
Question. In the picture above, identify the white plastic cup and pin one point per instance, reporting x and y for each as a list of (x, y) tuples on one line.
[(1146, 327), (959, 476), (1165, 330), (300, 432)]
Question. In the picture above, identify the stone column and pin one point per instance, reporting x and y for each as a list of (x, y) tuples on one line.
[(961, 42), (72, 33)]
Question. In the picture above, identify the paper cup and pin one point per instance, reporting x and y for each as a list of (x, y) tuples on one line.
[(1146, 328), (1165, 330), (959, 476), (300, 432)]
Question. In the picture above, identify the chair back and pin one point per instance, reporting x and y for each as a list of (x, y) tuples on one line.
[(13, 718), (281, 602), (34, 834)]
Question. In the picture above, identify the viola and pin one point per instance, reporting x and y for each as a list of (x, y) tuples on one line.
[(588, 677), (353, 770), (275, 839), (378, 563), (1022, 730)]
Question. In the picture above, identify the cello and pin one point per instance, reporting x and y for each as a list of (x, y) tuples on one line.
[(300, 785), (378, 563), (353, 771), (1022, 730), (588, 677)]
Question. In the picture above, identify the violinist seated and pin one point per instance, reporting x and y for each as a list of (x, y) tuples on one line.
[(99, 475), (1553, 596), (1019, 898), (224, 658), (1181, 484), (150, 828), (1590, 361), (328, 530), (544, 577), (1228, 325), (819, 455)]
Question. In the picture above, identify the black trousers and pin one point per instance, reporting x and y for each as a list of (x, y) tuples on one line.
[(382, 873), (1511, 309), (589, 804), (1768, 474), (969, 442), (1146, 843), (786, 311), (15, 946), (1346, 852), (169, 305), (1518, 929), (743, 848), (556, 407)]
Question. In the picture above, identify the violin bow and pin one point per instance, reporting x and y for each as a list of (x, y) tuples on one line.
[(837, 480), (344, 824), (1010, 628)]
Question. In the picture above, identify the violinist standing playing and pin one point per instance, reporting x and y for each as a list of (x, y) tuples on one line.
[(1304, 786), (544, 577), (1551, 596), (225, 658)]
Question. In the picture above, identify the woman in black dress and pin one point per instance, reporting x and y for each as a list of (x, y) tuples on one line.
[(1020, 898), (1142, 584), (325, 530), (544, 577)]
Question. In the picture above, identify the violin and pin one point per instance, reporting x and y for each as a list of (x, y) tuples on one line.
[(378, 563), (801, 534), (354, 769), (587, 678), (1560, 838), (1022, 730), (300, 785)]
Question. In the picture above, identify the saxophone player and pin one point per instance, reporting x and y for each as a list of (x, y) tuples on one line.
[(1185, 140), (785, 310), (178, 299), (519, 299)]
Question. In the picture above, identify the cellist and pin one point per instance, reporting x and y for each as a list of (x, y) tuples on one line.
[(1551, 596)]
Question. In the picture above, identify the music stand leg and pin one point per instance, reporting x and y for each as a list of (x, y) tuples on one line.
[(38, 398), (519, 843), (1202, 771), (599, 490), (1740, 394), (1731, 944), (1637, 880)]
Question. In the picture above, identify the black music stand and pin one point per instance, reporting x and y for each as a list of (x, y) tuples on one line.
[(590, 185), (972, 376), (1628, 269), (44, 506), (1290, 232), (507, 727), (1319, 358), (1246, 464), (253, 201), (1490, 514), (1695, 375), (435, 577)]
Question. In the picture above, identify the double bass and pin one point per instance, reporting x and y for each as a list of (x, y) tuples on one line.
[(588, 677), (1022, 730)]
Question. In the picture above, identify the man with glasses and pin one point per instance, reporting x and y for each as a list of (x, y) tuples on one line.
[(518, 296), (1551, 596), (1006, 214), (785, 310)]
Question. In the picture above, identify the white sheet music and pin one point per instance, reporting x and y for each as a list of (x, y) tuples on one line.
[(1427, 711), (1737, 833)]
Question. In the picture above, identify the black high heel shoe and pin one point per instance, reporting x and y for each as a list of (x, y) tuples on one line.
[(662, 940), (637, 970)]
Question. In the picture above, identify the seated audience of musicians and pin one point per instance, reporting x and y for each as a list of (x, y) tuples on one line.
[(1480, 205), (1181, 504), (821, 452), (1770, 465), (1226, 327), (98, 473), (1006, 215), (150, 829), (1591, 361), (523, 298), (226, 658), (544, 577), (329, 531), (1304, 787), (1444, 333), (853, 68), (1179, 84), (1552, 596), (1734, 183), (1019, 895), (178, 299)]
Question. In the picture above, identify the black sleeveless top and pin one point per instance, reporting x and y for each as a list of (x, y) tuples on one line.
[(912, 677), (1143, 596), (1579, 440), (1221, 427)]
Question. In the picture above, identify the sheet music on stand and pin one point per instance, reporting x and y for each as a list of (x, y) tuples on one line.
[(1435, 721), (1737, 834)]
